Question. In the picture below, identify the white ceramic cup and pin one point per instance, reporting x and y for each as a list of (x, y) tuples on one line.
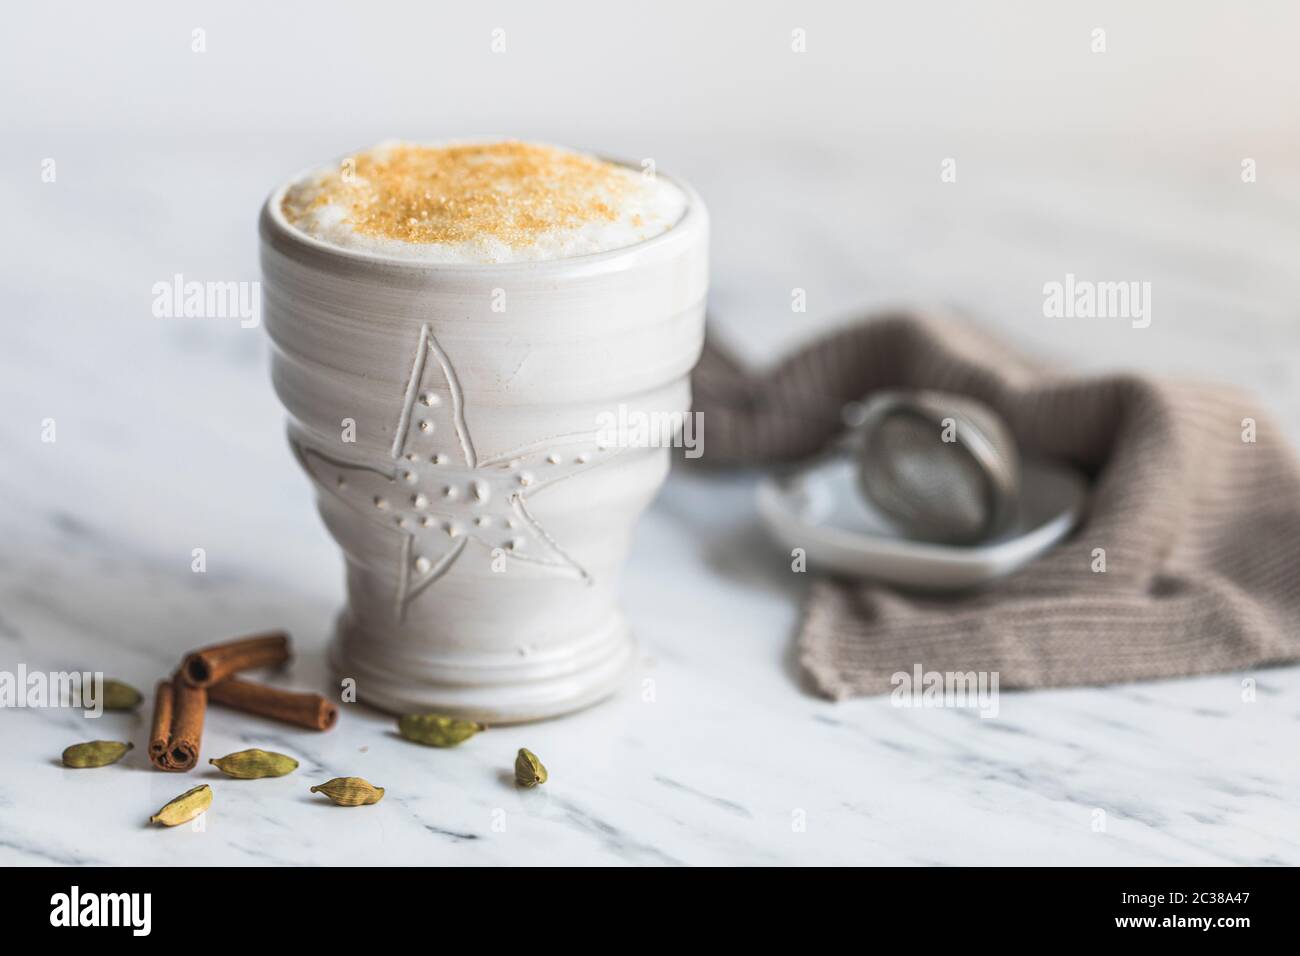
[(448, 416)]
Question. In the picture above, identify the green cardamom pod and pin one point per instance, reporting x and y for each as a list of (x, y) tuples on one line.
[(350, 791), (529, 771), (252, 764), (96, 753), (434, 730), (120, 696), (185, 807)]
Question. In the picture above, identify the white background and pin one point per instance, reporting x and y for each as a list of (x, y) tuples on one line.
[(584, 70)]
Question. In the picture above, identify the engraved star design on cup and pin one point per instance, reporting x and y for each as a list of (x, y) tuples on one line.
[(438, 495)]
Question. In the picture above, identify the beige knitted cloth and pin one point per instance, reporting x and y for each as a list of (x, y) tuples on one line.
[(1201, 529)]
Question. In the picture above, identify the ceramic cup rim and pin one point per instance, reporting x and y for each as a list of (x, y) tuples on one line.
[(273, 225)]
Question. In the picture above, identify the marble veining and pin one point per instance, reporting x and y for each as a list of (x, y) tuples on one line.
[(714, 752)]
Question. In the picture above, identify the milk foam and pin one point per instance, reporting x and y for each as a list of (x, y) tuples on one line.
[(481, 203)]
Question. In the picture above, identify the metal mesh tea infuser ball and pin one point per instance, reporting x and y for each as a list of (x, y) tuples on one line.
[(942, 467)]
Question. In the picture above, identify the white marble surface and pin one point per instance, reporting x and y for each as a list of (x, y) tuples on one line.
[(169, 438)]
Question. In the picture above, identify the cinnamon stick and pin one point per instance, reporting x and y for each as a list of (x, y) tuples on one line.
[(187, 726), (160, 734), (302, 710), (177, 729), (212, 665)]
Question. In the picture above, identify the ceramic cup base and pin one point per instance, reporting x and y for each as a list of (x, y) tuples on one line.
[(494, 689)]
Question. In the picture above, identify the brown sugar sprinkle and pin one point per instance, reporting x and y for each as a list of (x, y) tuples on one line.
[(510, 191)]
